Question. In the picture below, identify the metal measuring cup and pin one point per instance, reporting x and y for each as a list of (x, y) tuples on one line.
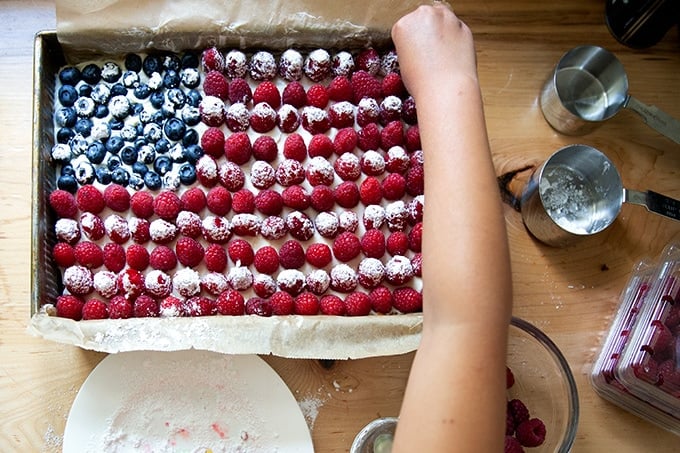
[(590, 85), (578, 192)]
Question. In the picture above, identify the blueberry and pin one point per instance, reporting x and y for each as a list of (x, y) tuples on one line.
[(190, 137), (61, 152), (84, 107), (171, 79), (146, 154), (193, 153), (128, 155), (128, 133), (91, 73), (152, 180), (133, 62), (176, 96), (140, 168), (70, 75), (110, 72), (136, 181), (162, 165), (115, 124), (178, 153), (152, 132), (83, 127), (96, 152), (85, 90), (168, 110), (190, 77), (162, 145), (100, 131), (139, 142), (155, 81), (68, 183), (103, 175), (130, 79), (194, 98), (119, 106), (137, 107), (151, 64), (171, 181), (118, 89), (101, 111), (174, 129), (187, 174), (64, 134), (66, 117), (120, 176), (172, 62), (113, 162), (190, 115), (67, 169), (157, 117), (145, 116), (190, 59), (67, 95), (84, 173), (101, 93), (157, 99), (78, 144), (114, 144), (142, 91)]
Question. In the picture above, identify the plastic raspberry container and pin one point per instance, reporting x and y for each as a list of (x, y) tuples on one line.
[(644, 334)]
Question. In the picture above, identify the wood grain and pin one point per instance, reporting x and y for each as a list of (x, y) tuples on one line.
[(570, 293)]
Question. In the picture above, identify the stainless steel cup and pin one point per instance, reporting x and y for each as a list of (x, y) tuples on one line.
[(589, 85), (376, 437), (578, 192)]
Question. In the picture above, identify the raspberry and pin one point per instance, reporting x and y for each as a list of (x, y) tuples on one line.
[(237, 148), (370, 272), (315, 120), (357, 304), (288, 118), (206, 171), (243, 202), (370, 191), (269, 202), (212, 60), (332, 305), (282, 303), (372, 163), (294, 94), (145, 307), (117, 197), (291, 255), (295, 197), (327, 224), (342, 63), (167, 205), (509, 380), (321, 145), (273, 228), (398, 270), (369, 60), (92, 225), (341, 114), (219, 200), (265, 149), (365, 85), (262, 66), (212, 142), (306, 303), (290, 65), (390, 109), (317, 65), (137, 257), (189, 252), (158, 283), (240, 252), (131, 283), (290, 172), (262, 175), (369, 137), (348, 221), (70, 307), (345, 141), (199, 306), (374, 216), (186, 282), (294, 148), (368, 112), (407, 300), (240, 278), (63, 254), (231, 176), (347, 167), (63, 203), (373, 243), (264, 285), (262, 117), (340, 89), (114, 257), (319, 172), (381, 299), (531, 433), (230, 302), (415, 209), (397, 160), (237, 118), (415, 181), (235, 64), (318, 255), (346, 247), (163, 258), (215, 84), (267, 92), (392, 135), (258, 306), (95, 309), (318, 281), (120, 308), (415, 237), (117, 228), (90, 199), (389, 62), (394, 186), (417, 264), (105, 283), (346, 194), (408, 111), (412, 138), (299, 225), (245, 224), (392, 85), (171, 307), (317, 96), (322, 198), (193, 200), (67, 230), (343, 278), (239, 91), (417, 157), (266, 260), (141, 204), (215, 258), (212, 111), (512, 445)]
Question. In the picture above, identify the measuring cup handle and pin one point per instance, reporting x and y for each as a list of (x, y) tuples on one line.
[(654, 202), (660, 121)]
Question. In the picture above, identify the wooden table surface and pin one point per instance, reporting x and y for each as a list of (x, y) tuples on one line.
[(570, 293)]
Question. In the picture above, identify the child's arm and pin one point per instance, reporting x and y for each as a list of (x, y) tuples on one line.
[(455, 398)]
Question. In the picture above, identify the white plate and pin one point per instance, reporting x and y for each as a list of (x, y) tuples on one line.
[(185, 401)]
